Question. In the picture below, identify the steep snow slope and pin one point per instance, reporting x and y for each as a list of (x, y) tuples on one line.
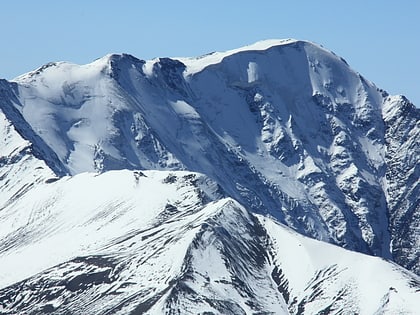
[(285, 127), (20, 169), (306, 122), (154, 242), (341, 281), (78, 228)]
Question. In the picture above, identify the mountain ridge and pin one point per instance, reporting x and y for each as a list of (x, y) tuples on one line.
[(193, 251)]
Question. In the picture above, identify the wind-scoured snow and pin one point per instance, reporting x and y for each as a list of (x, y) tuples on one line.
[(20, 170), (157, 242)]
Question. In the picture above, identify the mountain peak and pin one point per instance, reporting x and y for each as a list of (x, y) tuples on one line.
[(196, 64), (311, 50)]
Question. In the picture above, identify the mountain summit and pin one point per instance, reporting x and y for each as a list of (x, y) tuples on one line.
[(193, 184)]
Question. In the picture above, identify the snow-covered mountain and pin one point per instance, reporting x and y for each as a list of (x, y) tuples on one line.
[(205, 177)]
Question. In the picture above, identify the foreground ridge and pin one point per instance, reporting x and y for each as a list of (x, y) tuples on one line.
[(190, 251)]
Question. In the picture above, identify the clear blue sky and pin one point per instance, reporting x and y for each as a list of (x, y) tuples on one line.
[(379, 39)]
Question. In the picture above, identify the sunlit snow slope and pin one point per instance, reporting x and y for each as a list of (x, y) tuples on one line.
[(282, 131), (155, 242)]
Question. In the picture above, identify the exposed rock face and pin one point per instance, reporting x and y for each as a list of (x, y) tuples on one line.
[(402, 180)]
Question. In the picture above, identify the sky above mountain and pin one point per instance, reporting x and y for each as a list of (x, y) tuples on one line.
[(380, 40)]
